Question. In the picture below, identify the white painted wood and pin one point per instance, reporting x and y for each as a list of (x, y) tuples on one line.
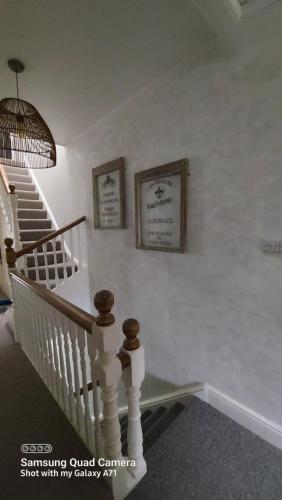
[(71, 234), (46, 265), (133, 377), (88, 428), (107, 369), (68, 356), (57, 279), (16, 232), (98, 435), (248, 418), (62, 239), (35, 254), (74, 332)]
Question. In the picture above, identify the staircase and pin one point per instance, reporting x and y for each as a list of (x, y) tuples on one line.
[(35, 224)]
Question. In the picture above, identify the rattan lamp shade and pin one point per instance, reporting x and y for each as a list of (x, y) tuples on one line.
[(25, 139)]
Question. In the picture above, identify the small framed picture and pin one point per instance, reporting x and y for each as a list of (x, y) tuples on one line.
[(161, 207), (109, 195)]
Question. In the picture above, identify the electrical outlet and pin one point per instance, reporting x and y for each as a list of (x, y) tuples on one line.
[(272, 246)]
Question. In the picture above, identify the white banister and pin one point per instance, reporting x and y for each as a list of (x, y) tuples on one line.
[(73, 352)]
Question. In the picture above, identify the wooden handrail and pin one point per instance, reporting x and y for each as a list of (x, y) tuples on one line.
[(74, 313), (50, 237), (10, 188)]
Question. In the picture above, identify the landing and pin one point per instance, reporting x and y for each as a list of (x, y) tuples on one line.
[(206, 456), (29, 414)]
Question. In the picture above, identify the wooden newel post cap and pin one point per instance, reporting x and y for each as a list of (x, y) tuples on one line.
[(12, 188), (11, 256), (131, 329), (104, 301)]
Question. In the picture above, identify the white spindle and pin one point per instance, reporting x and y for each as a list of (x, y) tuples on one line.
[(15, 223), (72, 251), (57, 278), (74, 332), (62, 239), (35, 256), (62, 363), (68, 356), (45, 256), (87, 418), (56, 365)]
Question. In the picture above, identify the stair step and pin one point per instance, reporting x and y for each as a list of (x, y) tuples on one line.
[(148, 418), (41, 260), (30, 204), (40, 248), (24, 186), (12, 178), (158, 428), (27, 195), (17, 170), (35, 224), (34, 234), (32, 213), (31, 273)]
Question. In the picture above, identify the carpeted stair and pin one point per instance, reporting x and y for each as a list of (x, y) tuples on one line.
[(154, 423), (35, 224), (204, 455)]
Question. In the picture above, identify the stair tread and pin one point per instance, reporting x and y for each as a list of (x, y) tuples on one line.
[(148, 419), (159, 427)]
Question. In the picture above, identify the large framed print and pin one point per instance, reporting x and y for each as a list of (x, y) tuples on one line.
[(109, 195), (161, 207)]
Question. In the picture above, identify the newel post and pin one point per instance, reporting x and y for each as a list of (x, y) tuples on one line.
[(133, 377), (11, 256), (108, 371), (11, 259), (14, 205)]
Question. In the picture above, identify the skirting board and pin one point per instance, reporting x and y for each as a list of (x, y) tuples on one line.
[(254, 422)]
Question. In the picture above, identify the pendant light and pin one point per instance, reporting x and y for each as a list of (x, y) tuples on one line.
[(25, 138)]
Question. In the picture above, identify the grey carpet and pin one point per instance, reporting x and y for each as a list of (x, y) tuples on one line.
[(29, 414), (206, 456)]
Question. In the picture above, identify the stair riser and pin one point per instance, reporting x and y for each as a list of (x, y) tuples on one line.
[(32, 214), (14, 178), (26, 204), (51, 272), (34, 235), (35, 224), (27, 195), (41, 260), (17, 170), (27, 186)]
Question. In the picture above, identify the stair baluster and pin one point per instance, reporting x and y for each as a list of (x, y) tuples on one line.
[(133, 377)]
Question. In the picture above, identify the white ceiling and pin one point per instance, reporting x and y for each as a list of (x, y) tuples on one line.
[(83, 57)]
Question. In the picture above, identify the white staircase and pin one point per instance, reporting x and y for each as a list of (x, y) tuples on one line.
[(51, 263)]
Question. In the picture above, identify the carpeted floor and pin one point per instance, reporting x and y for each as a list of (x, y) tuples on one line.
[(29, 414), (206, 456)]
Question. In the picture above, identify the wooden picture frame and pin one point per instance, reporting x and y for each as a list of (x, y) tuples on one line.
[(109, 195), (161, 207)]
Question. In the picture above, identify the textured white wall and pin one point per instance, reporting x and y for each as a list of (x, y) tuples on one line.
[(214, 314)]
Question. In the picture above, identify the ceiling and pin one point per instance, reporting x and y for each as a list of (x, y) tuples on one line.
[(84, 57)]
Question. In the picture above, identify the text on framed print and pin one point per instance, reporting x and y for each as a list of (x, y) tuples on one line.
[(161, 207), (109, 195)]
